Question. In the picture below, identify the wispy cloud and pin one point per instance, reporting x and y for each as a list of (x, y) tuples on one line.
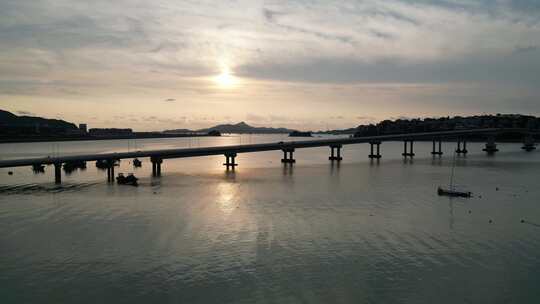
[(112, 52)]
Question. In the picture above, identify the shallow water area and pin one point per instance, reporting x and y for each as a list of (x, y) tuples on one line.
[(358, 231)]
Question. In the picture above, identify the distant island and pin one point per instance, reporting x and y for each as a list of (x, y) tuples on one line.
[(239, 128), (15, 128), (416, 125)]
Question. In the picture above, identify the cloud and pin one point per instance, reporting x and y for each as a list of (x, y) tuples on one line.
[(445, 55), (365, 118)]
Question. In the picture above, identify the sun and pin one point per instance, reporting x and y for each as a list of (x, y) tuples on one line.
[(226, 79)]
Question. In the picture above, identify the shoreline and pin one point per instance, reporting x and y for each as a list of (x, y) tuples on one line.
[(12, 140)]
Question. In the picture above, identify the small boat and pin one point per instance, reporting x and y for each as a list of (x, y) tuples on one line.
[(74, 165), (137, 163), (454, 193), (130, 179), (38, 168), (451, 191)]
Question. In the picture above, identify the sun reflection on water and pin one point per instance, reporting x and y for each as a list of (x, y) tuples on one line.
[(227, 197)]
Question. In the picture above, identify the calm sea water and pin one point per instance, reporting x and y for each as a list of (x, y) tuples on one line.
[(360, 232)]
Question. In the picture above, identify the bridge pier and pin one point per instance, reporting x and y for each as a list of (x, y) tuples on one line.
[(156, 166), (334, 156), (110, 170), (411, 151), (375, 143), (528, 143), (58, 173), (230, 160), (491, 146), (460, 149), (288, 156), (434, 151)]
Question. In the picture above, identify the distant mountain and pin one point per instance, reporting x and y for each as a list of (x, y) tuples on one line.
[(10, 119), (179, 131), (243, 127)]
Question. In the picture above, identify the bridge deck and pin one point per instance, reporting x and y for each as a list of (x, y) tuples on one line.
[(207, 151)]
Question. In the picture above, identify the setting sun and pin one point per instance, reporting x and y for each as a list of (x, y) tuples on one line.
[(225, 79)]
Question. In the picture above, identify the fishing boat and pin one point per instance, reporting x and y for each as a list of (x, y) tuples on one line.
[(38, 168), (454, 193), (130, 179), (451, 190)]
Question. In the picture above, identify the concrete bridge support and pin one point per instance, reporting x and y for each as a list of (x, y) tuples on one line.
[(491, 146), (411, 150), (337, 155), (378, 154), (156, 166), (58, 173), (110, 170), (528, 143), (230, 161), (439, 151), (461, 149), (288, 157)]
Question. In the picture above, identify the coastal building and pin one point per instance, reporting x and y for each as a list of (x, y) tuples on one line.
[(83, 128), (110, 132)]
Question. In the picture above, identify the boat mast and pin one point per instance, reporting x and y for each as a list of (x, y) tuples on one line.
[(452, 175)]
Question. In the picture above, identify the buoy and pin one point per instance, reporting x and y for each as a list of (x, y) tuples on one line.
[(470, 211), (523, 221), (490, 221), (496, 188)]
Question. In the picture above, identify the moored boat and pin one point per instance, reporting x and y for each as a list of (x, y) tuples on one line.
[(130, 179), (451, 191), (454, 193)]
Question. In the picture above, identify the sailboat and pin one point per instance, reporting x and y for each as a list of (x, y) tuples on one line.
[(451, 191)]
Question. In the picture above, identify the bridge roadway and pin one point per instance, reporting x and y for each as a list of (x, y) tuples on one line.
[(206, 151)]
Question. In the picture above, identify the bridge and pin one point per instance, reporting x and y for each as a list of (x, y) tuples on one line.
[(288, 148)]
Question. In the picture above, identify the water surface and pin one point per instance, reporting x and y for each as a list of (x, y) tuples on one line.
[(357, 232)]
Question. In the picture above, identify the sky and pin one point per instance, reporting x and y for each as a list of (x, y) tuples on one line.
[(167, 64)]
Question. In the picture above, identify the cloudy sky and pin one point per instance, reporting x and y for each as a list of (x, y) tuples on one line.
[(152, 65)]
